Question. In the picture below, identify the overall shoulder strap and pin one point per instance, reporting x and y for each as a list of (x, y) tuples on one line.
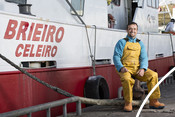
[(126, 39), (137, 40)]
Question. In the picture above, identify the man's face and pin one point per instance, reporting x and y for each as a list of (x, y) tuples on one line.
[(132, 30)]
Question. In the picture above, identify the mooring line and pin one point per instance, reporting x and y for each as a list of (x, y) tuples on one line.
[(84, 100), (61, 91), (149, 94)]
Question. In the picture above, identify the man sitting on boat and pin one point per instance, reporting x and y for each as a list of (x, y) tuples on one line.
[(130, 59), (170, 27)]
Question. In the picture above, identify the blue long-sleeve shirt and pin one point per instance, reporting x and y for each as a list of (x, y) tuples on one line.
[(118, 53)]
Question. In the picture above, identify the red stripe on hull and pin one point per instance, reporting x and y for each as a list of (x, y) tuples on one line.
[(19, 91), (161, 65)]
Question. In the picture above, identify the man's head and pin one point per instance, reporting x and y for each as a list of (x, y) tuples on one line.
[(132, 29)]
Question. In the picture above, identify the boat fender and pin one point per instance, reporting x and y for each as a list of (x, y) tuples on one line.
[(96, 87), (171, 67)]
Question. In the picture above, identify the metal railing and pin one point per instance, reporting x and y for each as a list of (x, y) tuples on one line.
[(47, 106), (169, 80)]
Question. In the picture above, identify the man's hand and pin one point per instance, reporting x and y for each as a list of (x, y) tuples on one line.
[(141, 72), (123, 70)]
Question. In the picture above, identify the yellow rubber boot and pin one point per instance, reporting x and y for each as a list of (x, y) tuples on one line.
[(128, 107), (155, 104)]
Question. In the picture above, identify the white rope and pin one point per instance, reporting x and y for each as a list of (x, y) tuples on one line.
[(141, 107)]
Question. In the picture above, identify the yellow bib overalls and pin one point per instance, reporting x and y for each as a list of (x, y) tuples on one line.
[(130, 60)]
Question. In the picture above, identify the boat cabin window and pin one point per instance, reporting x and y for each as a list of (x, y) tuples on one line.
[(157, 4), (38, 64), (140, 3), (17, 1), (78, 6), (111, 21), (116, 2), (153, 3), (149, 3), (102, 61)]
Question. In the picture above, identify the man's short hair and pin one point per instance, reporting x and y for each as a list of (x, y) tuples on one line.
[(132, 23)]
